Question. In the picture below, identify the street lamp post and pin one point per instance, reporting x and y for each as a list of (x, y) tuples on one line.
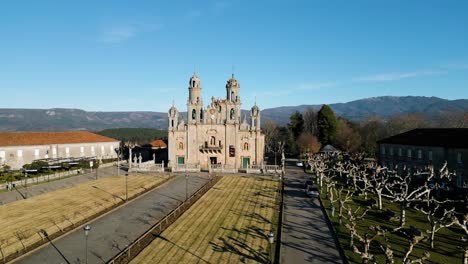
[(271, 240), (186, 186), (126, 187), (117, 150), (86, 229), (26, 183)]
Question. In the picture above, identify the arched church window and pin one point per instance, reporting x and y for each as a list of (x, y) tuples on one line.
[(232, 95), (232, 113), (246, 146), (181, 145), (201, 115), (212, 140), (194, 114), (193, 83), (172, 123)]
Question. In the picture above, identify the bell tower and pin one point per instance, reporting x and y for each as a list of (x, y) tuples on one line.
[(195, 102), (173, 117), (255, 118), (233, 101)]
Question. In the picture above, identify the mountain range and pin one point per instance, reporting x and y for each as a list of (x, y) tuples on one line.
[(63, 119)]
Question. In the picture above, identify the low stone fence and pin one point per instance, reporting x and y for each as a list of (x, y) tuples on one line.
[(148, 166), (43, 178), (226, 168), (132, 250), (186, 168)]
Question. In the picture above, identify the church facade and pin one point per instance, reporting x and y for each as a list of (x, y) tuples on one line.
[(217, 133)]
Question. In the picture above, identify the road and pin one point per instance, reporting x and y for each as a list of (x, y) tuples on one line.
[(112, 232), (19, 194), (306, 236)]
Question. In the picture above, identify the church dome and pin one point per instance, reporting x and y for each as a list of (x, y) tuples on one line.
[(195, 81), (232, 82)]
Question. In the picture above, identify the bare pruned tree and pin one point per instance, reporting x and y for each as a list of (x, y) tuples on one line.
[(366, 240), (413, 242), (437, 218), (353, 217)]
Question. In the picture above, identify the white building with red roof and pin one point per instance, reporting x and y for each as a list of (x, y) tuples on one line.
[(19, 148)]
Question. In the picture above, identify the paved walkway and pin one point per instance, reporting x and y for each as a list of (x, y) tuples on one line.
[(306, 237), (20, 194), (112, 232)]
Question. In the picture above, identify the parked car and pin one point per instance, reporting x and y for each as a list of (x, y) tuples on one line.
[(312, 192), (308, 183), (299, 164)]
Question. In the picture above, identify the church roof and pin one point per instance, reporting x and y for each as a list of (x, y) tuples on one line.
[(45, 138)]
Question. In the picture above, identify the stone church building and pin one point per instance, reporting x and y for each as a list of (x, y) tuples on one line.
[(217, 133)]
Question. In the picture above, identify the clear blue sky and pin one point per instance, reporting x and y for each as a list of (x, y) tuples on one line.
[(139, 55)]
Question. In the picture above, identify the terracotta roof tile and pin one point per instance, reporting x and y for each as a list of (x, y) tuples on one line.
[(158, 143), (46, 138)]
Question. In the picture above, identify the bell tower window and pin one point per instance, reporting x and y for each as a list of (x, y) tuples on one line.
[(194, 114), (232, 95), (232, 113)]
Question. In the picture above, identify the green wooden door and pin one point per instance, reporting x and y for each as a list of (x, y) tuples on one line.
[(180, 160), (245, 162)]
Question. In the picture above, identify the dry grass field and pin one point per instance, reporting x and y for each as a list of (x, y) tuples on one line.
[(229, 224), (21, 222)]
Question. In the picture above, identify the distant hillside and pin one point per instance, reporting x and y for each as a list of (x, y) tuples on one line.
[(139, 135), (383, 106), (59, 119)]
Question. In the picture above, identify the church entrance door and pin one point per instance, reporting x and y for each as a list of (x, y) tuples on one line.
[(245, 162), (180, 160), (213, 160)]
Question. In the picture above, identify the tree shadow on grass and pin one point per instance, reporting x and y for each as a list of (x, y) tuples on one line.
[(113, 195), (179, 247), (233, 246)]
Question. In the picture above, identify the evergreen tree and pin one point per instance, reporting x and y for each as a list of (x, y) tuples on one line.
[(296, 124), (327, 125)]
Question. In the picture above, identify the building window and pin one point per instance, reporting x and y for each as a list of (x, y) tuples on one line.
[(194, 114), (391, 151), (246, 146), (400, 152), (181, 145), (419, 154), (231, 116), (19, 153), (409, 153), (429, 154), (382, 149), (212, 140), (459, 157)]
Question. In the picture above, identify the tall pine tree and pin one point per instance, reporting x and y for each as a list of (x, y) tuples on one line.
[(326, 124)]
